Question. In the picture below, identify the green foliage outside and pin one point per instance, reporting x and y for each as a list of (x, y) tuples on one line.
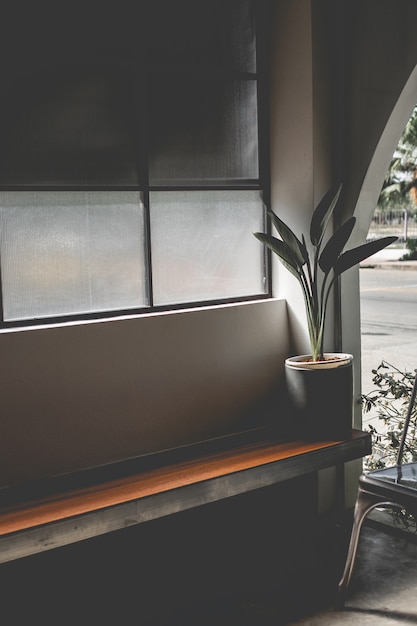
[(411, 255), (400, 185), (388, 403)]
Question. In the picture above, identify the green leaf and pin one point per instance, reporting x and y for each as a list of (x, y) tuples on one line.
[(354, 256), (335, 245), (283, 251), (322, 215), (394, 187), (290, 238)]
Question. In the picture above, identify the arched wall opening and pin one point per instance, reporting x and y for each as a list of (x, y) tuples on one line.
[(367, 200), (372, 184)]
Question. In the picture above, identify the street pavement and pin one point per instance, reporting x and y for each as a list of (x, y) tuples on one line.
[(389, 258), (389, 330)]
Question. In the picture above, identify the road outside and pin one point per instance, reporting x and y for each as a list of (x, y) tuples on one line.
[(388, 318)]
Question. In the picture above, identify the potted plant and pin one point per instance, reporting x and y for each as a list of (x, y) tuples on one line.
[(316, 270)]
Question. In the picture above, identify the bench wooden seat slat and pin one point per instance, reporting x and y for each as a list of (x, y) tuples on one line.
[(73, 515), (149, 483)]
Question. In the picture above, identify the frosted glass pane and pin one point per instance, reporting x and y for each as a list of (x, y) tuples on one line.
[(74, 90), (207, 133), (207, 35), (72, 126), (203, 245), (240, 34), (71, 252)]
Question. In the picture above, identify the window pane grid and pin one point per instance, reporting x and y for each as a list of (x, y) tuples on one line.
[(195, 147)]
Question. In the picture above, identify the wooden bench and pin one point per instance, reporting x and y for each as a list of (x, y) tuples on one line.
[(133, 494)]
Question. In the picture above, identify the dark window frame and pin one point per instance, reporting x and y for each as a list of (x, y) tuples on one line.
[(261, 183)]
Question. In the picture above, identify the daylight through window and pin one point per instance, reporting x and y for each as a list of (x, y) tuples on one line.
[(132, 173)]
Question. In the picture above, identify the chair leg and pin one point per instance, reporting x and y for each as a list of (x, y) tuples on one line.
[(365, 502)]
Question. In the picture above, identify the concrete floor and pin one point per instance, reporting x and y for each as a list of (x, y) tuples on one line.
[(384, 584), (383, 591), (123, 582)]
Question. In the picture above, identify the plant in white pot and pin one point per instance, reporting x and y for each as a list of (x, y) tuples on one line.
[(316, 270)]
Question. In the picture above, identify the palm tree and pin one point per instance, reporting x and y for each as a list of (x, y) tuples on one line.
[(400, 184)]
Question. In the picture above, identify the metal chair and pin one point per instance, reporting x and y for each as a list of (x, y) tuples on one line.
[(393, 487)]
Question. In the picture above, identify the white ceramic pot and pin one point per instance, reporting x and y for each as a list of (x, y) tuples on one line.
[(331, 360)]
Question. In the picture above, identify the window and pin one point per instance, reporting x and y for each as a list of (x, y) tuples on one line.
[(131, 171)]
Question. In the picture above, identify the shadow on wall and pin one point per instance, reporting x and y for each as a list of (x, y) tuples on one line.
[(84, 395)]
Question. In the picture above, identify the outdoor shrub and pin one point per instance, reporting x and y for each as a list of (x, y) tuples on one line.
[(388, 403), (388, 406), (412, 254)]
